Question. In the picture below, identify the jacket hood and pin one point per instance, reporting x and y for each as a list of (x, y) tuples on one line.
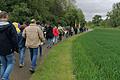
[(4, 25), (32, 24)]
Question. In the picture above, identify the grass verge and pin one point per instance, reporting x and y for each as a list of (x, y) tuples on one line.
[(58, 63)]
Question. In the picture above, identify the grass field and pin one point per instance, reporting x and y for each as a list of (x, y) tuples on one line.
[(96, 55), (92, 56)]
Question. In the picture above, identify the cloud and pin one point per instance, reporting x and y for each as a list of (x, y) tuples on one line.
[(93, 7)]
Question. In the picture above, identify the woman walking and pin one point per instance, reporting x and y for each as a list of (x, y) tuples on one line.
[(56, 35)]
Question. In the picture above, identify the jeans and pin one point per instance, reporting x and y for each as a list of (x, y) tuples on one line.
[(0, 66), (7, 66), (50, 42), (21, 55), (33, 56), (60, 37), (55, 39)]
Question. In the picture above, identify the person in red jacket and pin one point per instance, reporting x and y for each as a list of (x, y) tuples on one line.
[(56, 34)]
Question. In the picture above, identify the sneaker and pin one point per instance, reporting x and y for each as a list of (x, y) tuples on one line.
[(21, 65), (47, 46), (0, 64), (31, 70)]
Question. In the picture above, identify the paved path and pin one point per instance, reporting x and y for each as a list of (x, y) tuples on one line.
[(23, 73)]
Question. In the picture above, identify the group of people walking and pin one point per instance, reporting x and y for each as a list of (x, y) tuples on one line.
[(15, 37)]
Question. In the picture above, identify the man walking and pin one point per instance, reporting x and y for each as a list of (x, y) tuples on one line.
[(8, 44), (34, 36)]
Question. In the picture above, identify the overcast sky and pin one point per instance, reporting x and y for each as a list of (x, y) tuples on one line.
[(93, 7)]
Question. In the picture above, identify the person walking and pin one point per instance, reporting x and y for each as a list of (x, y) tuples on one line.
[(40, 47), (61, 32), (21, 42), (17, 26), (49, 36), (76, 30), (33, 35), (56, 35), (8, 44), (71, 31)]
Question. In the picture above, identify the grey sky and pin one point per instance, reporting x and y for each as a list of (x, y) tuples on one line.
[(93, 7)]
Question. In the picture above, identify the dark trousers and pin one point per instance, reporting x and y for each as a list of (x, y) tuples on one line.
[(40, 50)]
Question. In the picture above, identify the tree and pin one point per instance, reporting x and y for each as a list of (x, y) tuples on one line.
[(20, 13), (113, 16), (97, 20), (74, 16), (54, 11)]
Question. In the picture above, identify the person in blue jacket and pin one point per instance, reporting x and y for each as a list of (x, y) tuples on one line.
[(21, 43)]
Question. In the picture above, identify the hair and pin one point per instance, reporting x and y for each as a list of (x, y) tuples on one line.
[(3, 14), (27, 23), (38, 22), (33, 21), (22, 27)]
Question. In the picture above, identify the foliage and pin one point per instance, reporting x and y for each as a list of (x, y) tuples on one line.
[(113, 16), (74, 16), (55, 11), (97, 20), (20, 12), (112, 20), (90, 24)]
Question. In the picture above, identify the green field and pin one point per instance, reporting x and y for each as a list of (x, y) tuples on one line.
[(96, 55), (90, 56)]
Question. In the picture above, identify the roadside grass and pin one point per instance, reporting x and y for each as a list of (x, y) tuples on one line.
[(58, 64), (96, 56)]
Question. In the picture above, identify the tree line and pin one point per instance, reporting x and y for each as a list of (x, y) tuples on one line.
[(112, 19), (53, 11)]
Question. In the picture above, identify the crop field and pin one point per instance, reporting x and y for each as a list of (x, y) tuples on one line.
[(96, 55)]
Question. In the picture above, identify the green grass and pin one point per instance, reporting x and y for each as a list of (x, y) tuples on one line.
[(96, 56), (58, 63)]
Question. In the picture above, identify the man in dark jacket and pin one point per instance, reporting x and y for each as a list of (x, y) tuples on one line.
[(49, 36), (8, 44)]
